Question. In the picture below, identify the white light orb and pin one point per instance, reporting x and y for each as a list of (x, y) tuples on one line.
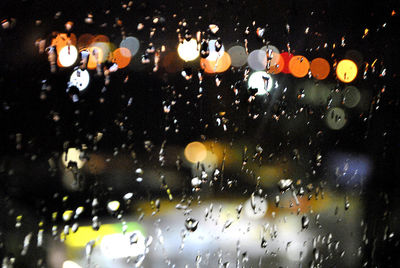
[(261, 81), (260, 207), (70, 264), (80, 79), (67, 56), (214, 54), (74, 156), (257, 60), (188, 50), (118, 246)]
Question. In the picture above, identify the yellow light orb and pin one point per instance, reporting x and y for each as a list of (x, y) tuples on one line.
[(95, 57), (188, 50), (195, 152), (346, 71), (74, 156)]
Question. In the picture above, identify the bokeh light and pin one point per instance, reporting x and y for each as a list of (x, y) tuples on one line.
[(122, 57), (336, 118), (257, 60), (73, 155), (320, 68), (195, 152), (188, 50), (261, 81), (67, 56), (85, 40), (100, 38), (238, 56), (273, 58), (80, 79), (214, 54), (277, 64), (105, 49), (314, 93), (62, 40), (220, 65), (117, 246), (346, 71), (351, 97), (70, 264), (95, 57), (131, 43), (299, 66), (271, 48), (260, 206), (286, 58)]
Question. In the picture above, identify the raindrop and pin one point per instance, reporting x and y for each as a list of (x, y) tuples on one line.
[(346, 204), (67, 215), (27, 241), (191, 224), (133, 239), (113, 206), (284, 184), (128, 196), (227, 224), (75, 227), (95, 223), (277, 200), (305, 222)]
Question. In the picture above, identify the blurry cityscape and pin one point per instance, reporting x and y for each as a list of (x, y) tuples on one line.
[(199, 134)]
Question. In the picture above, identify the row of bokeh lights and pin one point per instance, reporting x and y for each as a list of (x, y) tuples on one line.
[(99, 47), (267, 59)]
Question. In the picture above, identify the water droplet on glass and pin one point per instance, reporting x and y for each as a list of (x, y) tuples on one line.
[(67, 215), (304, 222), (191, 224), (284, 184), (113, 206)]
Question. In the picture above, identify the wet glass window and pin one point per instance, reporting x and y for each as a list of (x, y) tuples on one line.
[(221, 133)]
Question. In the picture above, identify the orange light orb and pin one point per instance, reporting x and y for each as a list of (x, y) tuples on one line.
[(122, 57), (85, 40), (62, 40), (277, 64), (195, 152), (95, 57), (219, 66), (320, 68), (299, 66), (101, 38), (346, 71)]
